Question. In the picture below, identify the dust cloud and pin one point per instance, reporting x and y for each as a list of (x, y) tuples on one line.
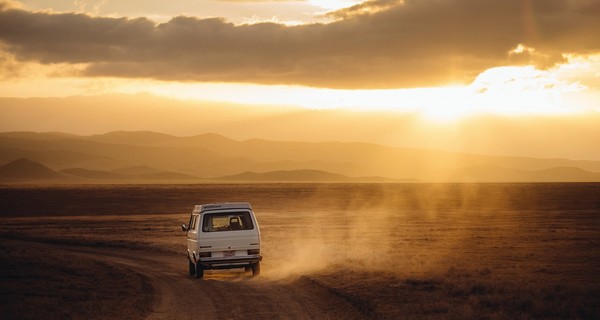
[(377, 227), (424, 229)]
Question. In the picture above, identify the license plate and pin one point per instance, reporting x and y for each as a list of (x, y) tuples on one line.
[(229, 253)]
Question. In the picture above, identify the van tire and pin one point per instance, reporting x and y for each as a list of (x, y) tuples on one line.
[(256, 269), (192, 268), (199, 270)]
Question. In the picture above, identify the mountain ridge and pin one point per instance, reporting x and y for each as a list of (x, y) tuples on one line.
[(23, 169), (209, 156), (287, 175)]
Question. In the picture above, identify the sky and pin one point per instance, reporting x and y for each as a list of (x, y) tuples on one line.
[(448, 61)]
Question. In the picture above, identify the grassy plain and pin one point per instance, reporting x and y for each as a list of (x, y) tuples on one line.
[(47, 283), (392, 250)]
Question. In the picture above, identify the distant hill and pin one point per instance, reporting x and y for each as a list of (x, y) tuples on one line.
[(287, 175), (26, 170), (140, 175), (130, 156), (132, 138), (135, 170), (301, 176), (165, 175), (93, 174), (567, 174)]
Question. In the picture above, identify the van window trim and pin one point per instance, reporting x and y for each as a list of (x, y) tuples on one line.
[(203, 215)]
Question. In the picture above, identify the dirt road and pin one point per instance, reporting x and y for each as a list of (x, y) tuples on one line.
[(222, 294)]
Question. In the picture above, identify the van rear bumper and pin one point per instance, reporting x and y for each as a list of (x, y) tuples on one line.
[(228, 263)]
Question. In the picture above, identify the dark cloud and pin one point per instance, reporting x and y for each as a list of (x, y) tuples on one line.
[(413, 43)]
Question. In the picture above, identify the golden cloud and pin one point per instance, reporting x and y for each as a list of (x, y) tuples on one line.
[(410, 44)]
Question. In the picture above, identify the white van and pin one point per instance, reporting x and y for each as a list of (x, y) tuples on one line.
[(223, 236)]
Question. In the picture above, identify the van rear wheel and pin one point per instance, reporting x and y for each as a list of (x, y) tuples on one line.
[(192, 268), (256, 269), (199, 270)]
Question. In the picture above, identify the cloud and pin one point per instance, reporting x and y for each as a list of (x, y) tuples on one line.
[(410, 44), (365, 7)]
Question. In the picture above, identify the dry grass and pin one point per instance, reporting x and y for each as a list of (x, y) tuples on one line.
[(51, 284), (461, 294), (503, 251)]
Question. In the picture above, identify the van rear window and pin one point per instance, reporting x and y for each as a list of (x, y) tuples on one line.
[(227, 221)]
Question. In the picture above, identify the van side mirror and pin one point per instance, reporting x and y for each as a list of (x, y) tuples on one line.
[(184, 227)]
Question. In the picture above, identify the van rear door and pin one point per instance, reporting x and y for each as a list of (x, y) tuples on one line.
[(229, 234)]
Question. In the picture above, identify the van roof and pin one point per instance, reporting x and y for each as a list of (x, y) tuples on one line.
[(222, 206)]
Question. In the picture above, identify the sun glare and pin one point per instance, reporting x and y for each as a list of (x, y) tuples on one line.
[(523, 90), (509, 91)]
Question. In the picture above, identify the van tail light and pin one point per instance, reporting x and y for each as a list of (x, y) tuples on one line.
[(204, 255), (253, 251)]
